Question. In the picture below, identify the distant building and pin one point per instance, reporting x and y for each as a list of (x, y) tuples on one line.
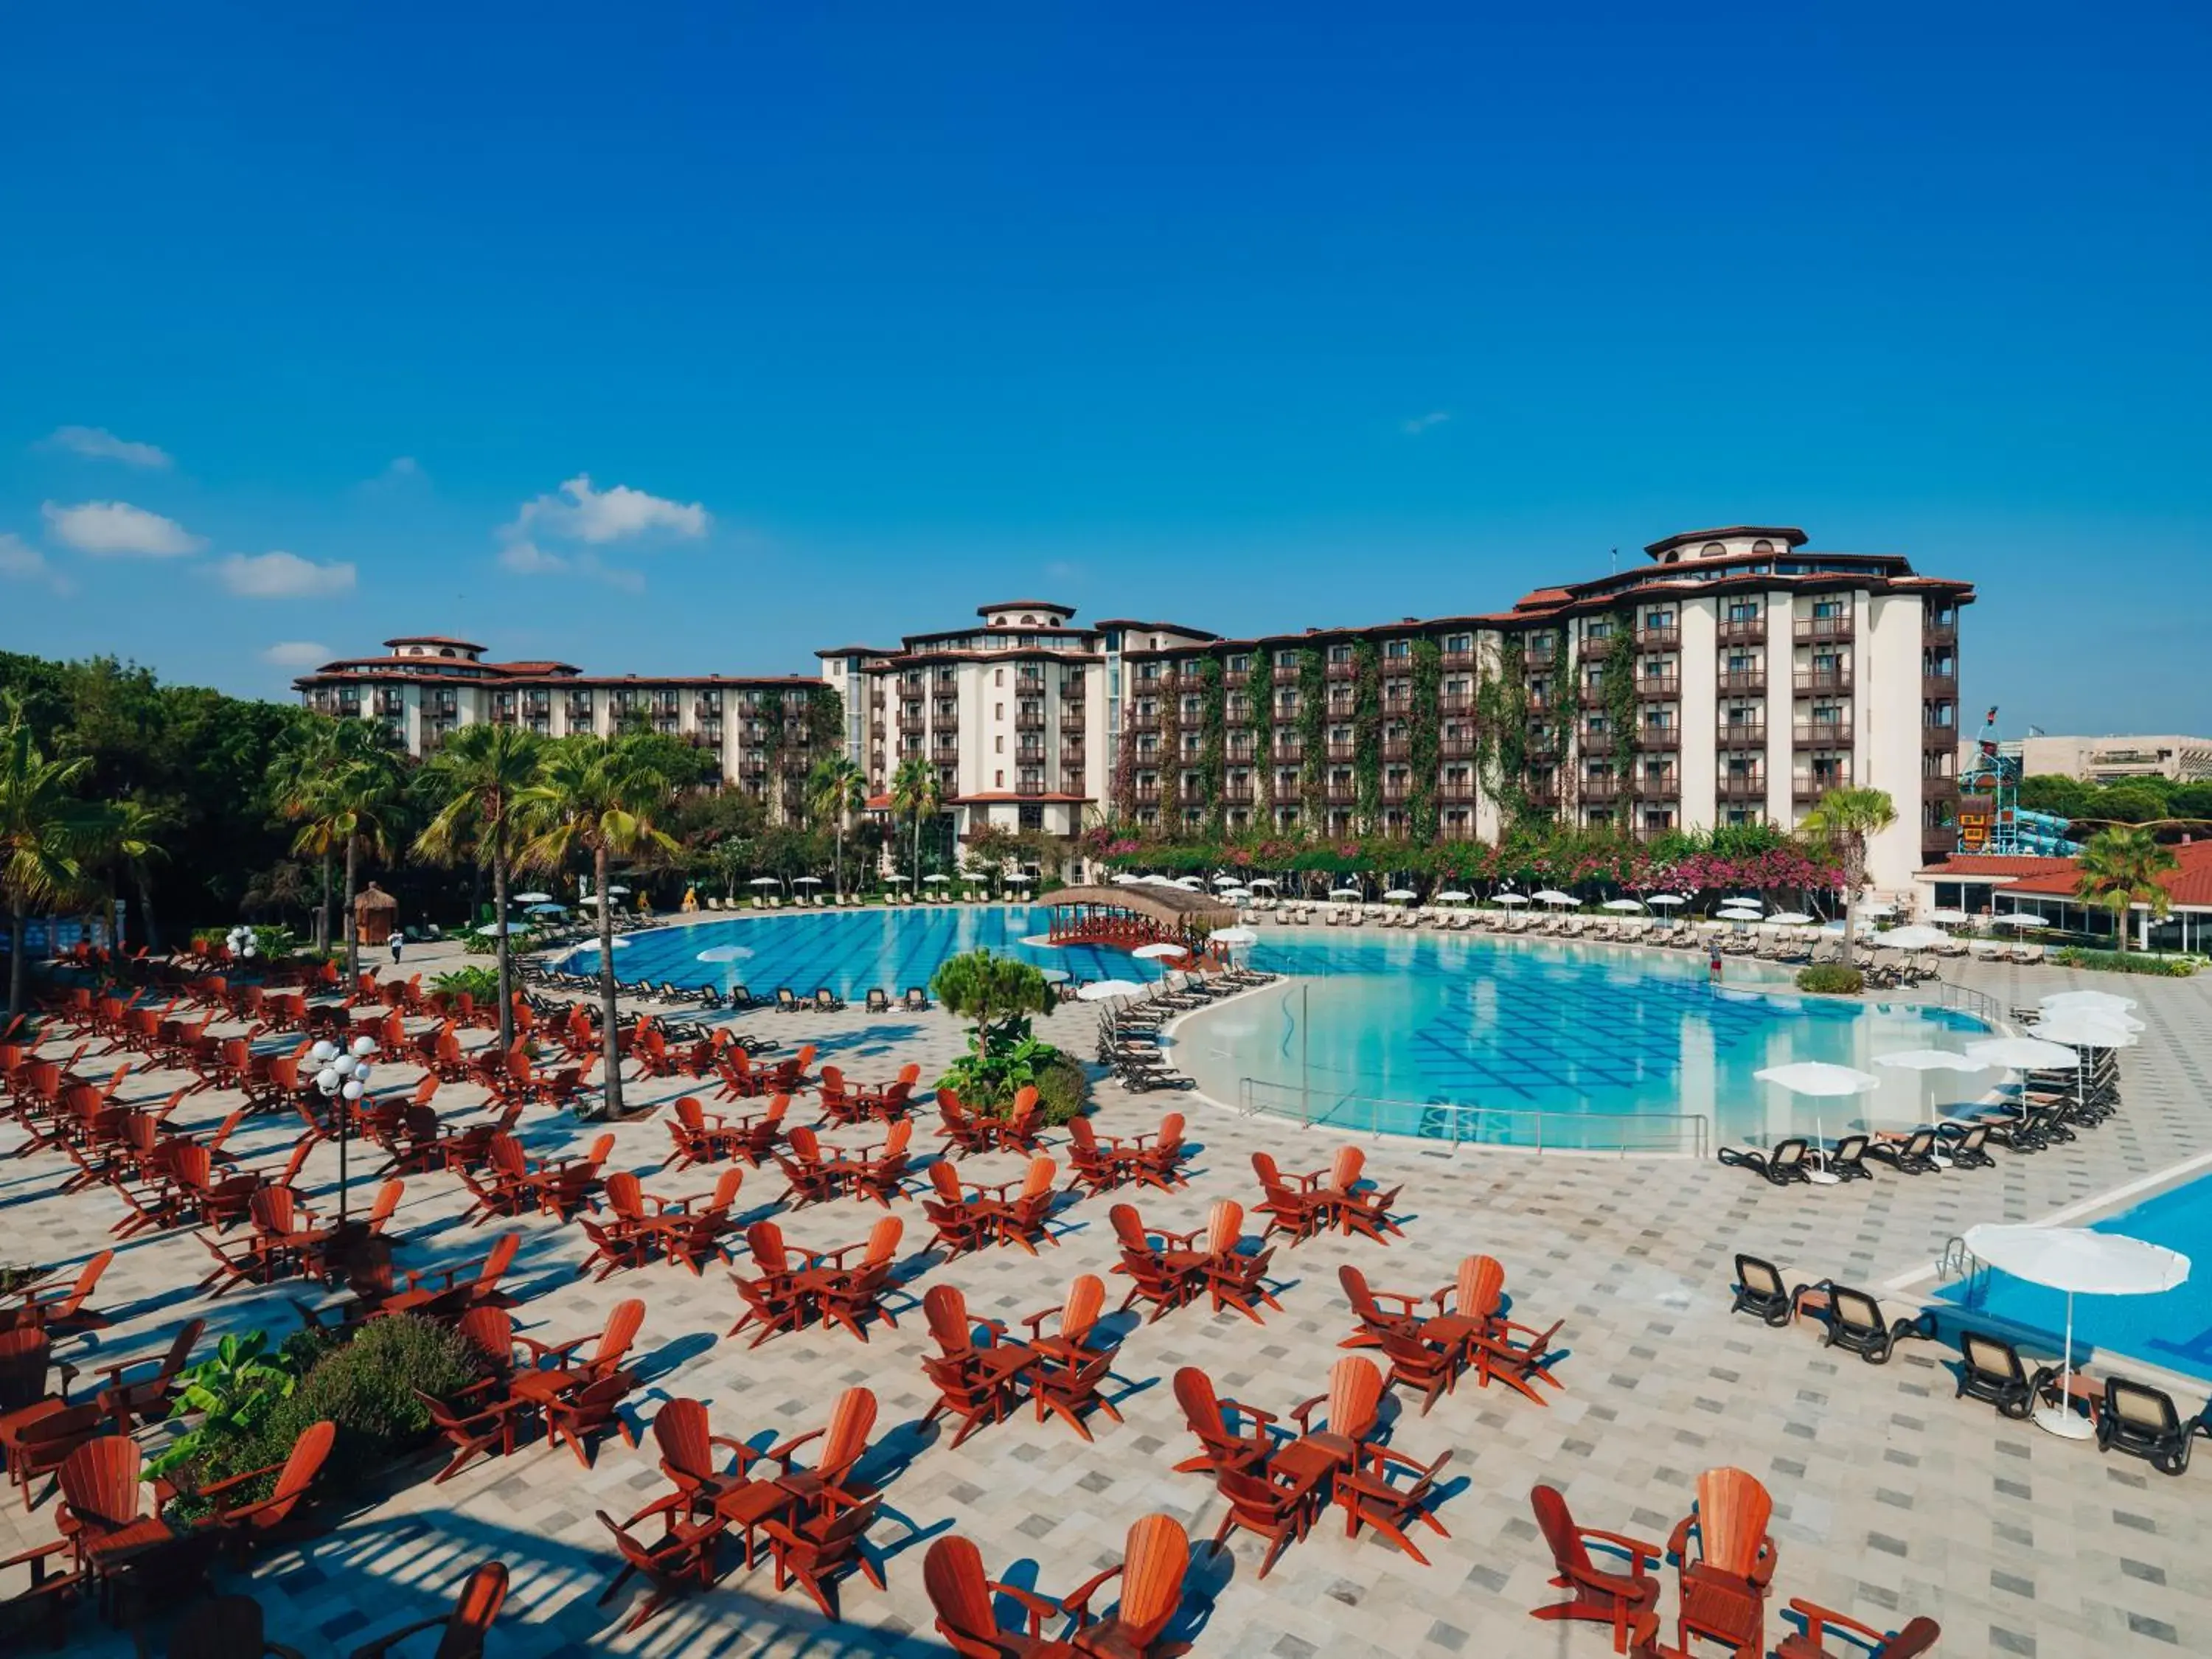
[(2109, 760), (765, 731)]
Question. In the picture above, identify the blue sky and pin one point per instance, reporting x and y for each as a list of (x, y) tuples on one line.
[(855, 316)]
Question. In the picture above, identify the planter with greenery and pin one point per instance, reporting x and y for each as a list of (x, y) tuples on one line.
[(2127, 961), (481, 984), (1830, 979), (997, 994)]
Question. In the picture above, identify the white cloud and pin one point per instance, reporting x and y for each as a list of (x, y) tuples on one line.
[(1420, 423), (576, 512), (298, 653), (282, 576), (21, 562), (97, 443), (526, 558), (116, 529)]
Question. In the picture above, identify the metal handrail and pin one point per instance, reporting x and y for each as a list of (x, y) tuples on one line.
[(1458, 1123), (1966, 999)]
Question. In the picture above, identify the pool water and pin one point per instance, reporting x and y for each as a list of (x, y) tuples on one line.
[(851, 952), (1527, 1027), (2173, 1330)]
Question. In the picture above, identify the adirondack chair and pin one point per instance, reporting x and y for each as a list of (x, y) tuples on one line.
[(1221, 1451), (1153, 1565), (1021, 1219), (1596, 1595), (1167, 1274), (575, 1418), (461, 1633), (100, 1491), (1018, 1131), (565, 1185), (1280, 1514), (1372, 1320), (699, 1136), (556, 1368), (966, 1612), (975, 1382), (1233, 1277), (146, 1398), (473, 1423), (695, 1227), (1855, 1639), (681, 1558), (851, 1297), (686, 1443), (1069, 1373), (1160, 1163), (962, 1222), (880, 1175), (810, 1178), (816, 1550), (1726, 1563), (967, 1132), (1097, 1166), (1502, 1350), (61, 1310), (502, 1187), (830, 1484), (1352, 1405), (1372, 1494), (1293, 1206), (1360, 1205), (443, 1293), (246, 1522), (772, 1300), (837, 1103)]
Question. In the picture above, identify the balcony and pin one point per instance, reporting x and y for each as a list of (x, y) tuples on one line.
[(1395, 794), (1741, 786), (1742, 630), (1342, 671), (1814, 682), (1340, 793), (1028, 683), (910, 726), (910, 685), (1939, 633), (1658, 639), (1343, 751), (1591, 695), (1939, 686), (753, 768), (1822, 734), (1235, 678), (1459, 791), (1456, 703), (1658, 738), (1597, 647), (1029, 720), (1544, 791), (1238, 794), (1141, 722), (1806, 788), (1594, 742), (1187, 677), (1601, 792), (1741, 734), (945, 754), (876, 731), (1339, 708), (1742, 682), (1071, 754), (1145, 794), (1028, 785), (1457, 659), (1666, 786), (1456, 748), (1540, 745), (1821, 627), (1541, 703), (1397, 748), (1658, 687)]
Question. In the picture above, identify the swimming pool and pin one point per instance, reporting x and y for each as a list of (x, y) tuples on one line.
[(1381, 1030), (850, 951), (2173, 1330)]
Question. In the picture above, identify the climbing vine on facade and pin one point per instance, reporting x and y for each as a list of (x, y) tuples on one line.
[(1425, 750), (1313, 727), (1213, 742), (1170, 750), (1260, 688), (1367, 733)]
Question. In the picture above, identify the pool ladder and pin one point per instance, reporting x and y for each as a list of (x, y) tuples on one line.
[(1958, 1262)]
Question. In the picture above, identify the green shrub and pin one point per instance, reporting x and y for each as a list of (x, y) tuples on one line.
[(1830, 979), (1062, 1089), (477, 943), (481, 983), (2126, 961)]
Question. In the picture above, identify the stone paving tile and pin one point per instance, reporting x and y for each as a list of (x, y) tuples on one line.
[(1893, 1499)]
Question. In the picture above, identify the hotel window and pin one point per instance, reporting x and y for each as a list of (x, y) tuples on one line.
[(1599, 628), (1287, 660), (1113, 639), (1827, 607), (1397, 647), (1241, 664), (998, 779), (998, 745), (1659, 618), (1658, 720), (998, 677), (1743, 610), (1340, 654), (1458, 642), (1762, 545), (998, 711)]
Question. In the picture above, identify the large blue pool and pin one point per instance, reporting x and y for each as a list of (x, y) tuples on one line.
[(2173, 1330), (1383, 1030), (852, 951)]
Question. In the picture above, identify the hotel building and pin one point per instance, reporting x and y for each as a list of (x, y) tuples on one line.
[(1735, 678), (765, 731)]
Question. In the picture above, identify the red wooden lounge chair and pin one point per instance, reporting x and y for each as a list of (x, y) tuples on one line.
[(694, 1228), (462, 1636), (967, 1614), (575, 1417), (1220, 1450), (1167, 1274), (967, 1132), (1370, 1496), (1153, 1565), (852, 1296), (1361, 1206), (564, 1186), (772, 1300), (473, 1422), (838, 1105), (1160, 1163), (1098, 1166), (1018, 1131), (443, 1293), (249, 1522), (880, 1175), (1594, 1593), (1233, 1277), (1493, 1348), (975, 1382), (810, 1178), (1854, 1639), (686, 1443), (1292, 1207), (1021, 1218), (1372, 1320), (830, 1483), (39, 1438), (556, 1364), (1727, 1563), (1279, 1508), (1069, 1373), (62, 1312), (699, 1136), (502, 1186), (681, 1558), (147, 1398), (1353, 1403), (815, 1549), (963, 1222), (101, 1492), (761, 1131)]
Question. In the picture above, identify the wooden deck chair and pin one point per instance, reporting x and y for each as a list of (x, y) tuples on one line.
[(482, 1595), (1154, 1562), (1595, 1594)]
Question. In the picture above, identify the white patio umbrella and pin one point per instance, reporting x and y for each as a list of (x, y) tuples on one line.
[(1397, 894), (1789, 919), (935, 880), (1234, 936), (2091, 999), (1158, 880), (761, 881), (590, 898), (1822, 1081), (898, 879), (806, 881), (1623, 904), (1879, 907), (1933, 1059), (1159, 952), (2017, 1053), (2080, 1262), (1455, 897), (1235, 895), (2019, 919), (1554, 896), (1666, 902), (1258, 881), (1948, 918), (1225, 879), (2085, 1030), (1053, 976), (1106, 990), (1123, 878), (1344, 893), (1737, 913), (1909, 939), (618, 891), (531, 898), (1020, 879), (1508, 899), (1189, 883)]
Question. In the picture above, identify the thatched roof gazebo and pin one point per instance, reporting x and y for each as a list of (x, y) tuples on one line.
[(375, 912), (1136, 914)]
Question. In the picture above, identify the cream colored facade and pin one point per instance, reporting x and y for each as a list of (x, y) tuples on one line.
[(2111, 759)]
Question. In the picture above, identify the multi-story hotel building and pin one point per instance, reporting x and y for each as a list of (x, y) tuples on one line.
[(1735, 678), (765, 730)]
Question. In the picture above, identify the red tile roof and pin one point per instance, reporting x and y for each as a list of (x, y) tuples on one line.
[(2190, 885)]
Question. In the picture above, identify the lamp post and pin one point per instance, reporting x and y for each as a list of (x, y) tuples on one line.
[(341, 1078)]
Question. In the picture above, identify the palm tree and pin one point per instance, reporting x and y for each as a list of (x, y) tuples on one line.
[(476, 778), (1844, 821), (597, 797), (2119, 869), (133, 848), (837, 787), (47, 833), (302, 762), (917, 794), (354, 804)]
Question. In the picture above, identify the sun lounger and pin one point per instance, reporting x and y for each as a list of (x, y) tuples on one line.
[(1784, 1165)]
